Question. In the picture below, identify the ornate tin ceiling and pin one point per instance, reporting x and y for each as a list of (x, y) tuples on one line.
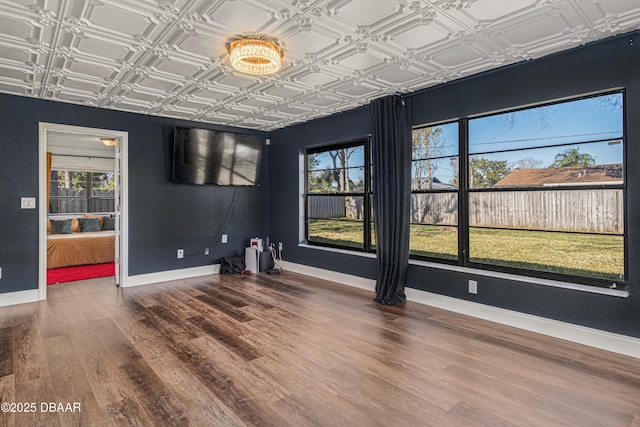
[(168, 58)]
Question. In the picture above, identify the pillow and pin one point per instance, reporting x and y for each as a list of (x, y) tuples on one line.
[(89, 224), (75, 225), (61, 226), (100, 217), (108, 223)]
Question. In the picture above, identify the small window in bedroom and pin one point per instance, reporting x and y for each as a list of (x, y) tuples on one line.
[(81, 192)]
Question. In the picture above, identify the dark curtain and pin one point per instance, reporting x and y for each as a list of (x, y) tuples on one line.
[(391, 158)]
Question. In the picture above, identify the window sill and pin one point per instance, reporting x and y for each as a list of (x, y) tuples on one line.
[(338, 250), (524, 279), (486, 273)]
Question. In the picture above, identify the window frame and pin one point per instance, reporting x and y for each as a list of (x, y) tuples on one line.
[(366, 194), (464, 193), (89, 196), (456, 191)]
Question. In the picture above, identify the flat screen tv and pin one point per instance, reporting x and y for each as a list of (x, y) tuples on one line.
[(202, 156)]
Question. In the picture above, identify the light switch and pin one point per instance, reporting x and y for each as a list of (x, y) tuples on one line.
[(27, 202)]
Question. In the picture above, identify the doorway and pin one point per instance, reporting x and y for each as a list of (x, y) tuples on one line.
[(82, 139)]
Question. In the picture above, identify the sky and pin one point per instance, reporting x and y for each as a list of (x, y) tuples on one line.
[(540, 133)]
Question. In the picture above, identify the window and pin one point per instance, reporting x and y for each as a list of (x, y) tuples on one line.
[(541, 188), (81, 192), (338, 196), (434, 192)]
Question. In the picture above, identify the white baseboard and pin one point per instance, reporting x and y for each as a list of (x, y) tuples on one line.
[(579, 334), (334, 276), (20, 297), (165, 276)]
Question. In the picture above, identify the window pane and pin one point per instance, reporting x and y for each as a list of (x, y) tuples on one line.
[(434, 174), (434, 215), (346, 180), (435, 141), (581, 164), (584, 255), (586, 211), (591, 119), (336, 159), (434, 208), (434, 219), (373, 235), (577, 230), (102, 182), (434, 241), (68, 192), (336, 220)]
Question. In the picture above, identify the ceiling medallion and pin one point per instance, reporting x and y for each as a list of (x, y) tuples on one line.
[(255, 55)]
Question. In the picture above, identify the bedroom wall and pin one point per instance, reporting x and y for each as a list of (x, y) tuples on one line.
[(163, 216), (606, 65)]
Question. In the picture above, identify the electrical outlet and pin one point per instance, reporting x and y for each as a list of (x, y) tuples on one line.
[(224, 238), (279, 246), (180, 253), (473, 287), (206, 251)]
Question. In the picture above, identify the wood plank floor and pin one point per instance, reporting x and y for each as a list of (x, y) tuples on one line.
[(291, 350)]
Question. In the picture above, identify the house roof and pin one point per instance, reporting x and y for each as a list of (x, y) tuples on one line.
[(436, 184), (169, 58), (562, 176)]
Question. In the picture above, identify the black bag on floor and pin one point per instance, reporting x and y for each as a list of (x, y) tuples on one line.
[(231, 265)]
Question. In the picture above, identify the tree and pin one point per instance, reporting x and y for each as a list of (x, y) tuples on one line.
[(426, 144), (572, 157), (484, 173), (335, 178), (527, 163), (340, 159)]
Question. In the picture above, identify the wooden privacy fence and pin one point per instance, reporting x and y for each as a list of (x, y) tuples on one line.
[(69, 200), (327, 207), (590, 211)]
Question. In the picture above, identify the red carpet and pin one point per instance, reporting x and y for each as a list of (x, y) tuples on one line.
[(81, 272)]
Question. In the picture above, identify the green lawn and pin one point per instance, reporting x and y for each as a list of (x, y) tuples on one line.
[(588, 255)]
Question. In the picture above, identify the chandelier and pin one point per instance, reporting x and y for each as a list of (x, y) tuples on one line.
[(255, 55)]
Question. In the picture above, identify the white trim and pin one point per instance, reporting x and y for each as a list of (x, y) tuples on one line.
[(334, 276), (165, 276), (20, 297), (123, 138), (524, 279), (301, 197), (579, 334)]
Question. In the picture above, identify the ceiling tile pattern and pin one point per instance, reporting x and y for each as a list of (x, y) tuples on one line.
[(168, 57)]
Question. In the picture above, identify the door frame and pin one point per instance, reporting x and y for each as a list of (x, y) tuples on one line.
[(123, 139)]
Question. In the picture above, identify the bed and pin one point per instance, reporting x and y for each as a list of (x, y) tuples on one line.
[(80, 248)]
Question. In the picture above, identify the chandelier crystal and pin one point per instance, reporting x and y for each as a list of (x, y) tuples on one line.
[(255, 56)]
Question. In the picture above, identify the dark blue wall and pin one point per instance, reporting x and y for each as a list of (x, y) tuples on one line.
[(163, 216), (611, 64)]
